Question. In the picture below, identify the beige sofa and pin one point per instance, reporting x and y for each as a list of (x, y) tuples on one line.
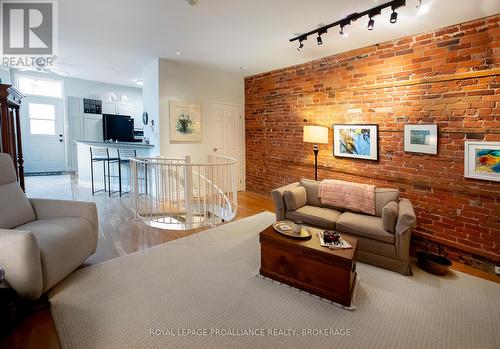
[(384, 238), (41, 241)]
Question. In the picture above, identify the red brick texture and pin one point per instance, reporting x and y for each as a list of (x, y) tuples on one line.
[(463, 214)]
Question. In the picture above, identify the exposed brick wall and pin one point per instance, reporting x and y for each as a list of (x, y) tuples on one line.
[(463, 214)]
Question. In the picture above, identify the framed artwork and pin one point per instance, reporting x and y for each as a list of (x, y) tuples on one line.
[(356, 141), (185, 122), (421, 139), (482, 160)]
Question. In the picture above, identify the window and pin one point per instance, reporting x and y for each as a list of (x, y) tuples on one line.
[(39, 87), (42, 119)]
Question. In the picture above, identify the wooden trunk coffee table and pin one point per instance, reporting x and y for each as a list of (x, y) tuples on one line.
[(306, 265)]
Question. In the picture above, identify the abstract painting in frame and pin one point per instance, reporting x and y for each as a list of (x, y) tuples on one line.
[(482, 160), (356, 141), (185, 122), (421, 139)]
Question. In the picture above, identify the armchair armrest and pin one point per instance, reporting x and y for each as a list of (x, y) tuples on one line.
[(20, 258), (279, 201), (405, 223), (46, 208), (406, 217)]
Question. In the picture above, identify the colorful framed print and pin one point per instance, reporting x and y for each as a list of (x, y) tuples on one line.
[(356, 141), (482, 160), (421, 139), (185, 122)]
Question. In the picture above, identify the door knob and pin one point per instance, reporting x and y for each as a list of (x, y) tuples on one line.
[(215, 149)]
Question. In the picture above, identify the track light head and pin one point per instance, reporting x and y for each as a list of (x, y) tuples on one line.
[(371, 24), (394, 17), (301, 44), (320, 41)]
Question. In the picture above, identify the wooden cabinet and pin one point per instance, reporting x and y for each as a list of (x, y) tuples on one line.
[(330, 274), (10, 128)]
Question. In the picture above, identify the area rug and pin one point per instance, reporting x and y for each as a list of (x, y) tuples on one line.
[(201, 292)]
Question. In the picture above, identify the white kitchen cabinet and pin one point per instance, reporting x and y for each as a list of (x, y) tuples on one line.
[(125, 109), (109, 108)]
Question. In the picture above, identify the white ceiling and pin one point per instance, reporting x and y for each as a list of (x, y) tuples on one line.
[(112, 40)]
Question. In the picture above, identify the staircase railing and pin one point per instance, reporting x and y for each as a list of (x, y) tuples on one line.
[(180, 195)]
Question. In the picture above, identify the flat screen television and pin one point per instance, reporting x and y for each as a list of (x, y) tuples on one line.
[(118, 128)]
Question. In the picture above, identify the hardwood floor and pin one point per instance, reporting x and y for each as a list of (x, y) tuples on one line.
[(120, 235)]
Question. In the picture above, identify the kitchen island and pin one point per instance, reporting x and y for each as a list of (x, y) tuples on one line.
[(143, 150)]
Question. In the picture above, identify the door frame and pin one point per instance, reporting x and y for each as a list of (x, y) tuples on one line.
[(241, 126)]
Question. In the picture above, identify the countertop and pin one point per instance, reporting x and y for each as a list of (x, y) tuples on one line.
[(102, 144)]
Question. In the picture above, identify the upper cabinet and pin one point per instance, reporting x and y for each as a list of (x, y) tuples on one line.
[(109, 108), (124, 109)]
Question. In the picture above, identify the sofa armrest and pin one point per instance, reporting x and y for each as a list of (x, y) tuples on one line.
[(46, 208), (20, 258), (406, 217), (279, 201)]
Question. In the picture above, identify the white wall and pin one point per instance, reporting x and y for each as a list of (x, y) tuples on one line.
[(192, 83), (151, 104)]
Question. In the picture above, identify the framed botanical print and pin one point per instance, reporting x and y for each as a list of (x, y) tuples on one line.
[(482, 160), (356, 141), (185, 122), (421, 139)]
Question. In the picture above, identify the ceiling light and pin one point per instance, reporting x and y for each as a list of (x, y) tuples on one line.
[(371, 24), (320, 41), (178, 53), (343, 30), (301, 44), (394, 17), (139, 82)]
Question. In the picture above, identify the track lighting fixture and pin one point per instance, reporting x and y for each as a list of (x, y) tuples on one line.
[(301, 44), (319, 39), (343, 31), (394, 4), (371, 23), (394, 16)]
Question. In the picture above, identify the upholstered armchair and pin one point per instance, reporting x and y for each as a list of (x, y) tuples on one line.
[(41, 241)]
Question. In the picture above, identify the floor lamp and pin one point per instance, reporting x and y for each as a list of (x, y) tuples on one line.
[(316, 135)]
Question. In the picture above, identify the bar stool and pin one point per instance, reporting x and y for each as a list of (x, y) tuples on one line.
[(98, 155), (124, 156)]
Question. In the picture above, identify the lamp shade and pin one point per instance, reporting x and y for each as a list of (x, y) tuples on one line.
[(316, 134)]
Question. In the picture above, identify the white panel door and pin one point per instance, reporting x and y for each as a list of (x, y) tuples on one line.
[(227, 135), (43, 134)]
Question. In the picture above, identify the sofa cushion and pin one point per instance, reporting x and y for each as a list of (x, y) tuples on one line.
[(318, 216), (382, 197), (295, 198), (390, 216), (65, 243), (312, 190), (363, 225), (15, 208)]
